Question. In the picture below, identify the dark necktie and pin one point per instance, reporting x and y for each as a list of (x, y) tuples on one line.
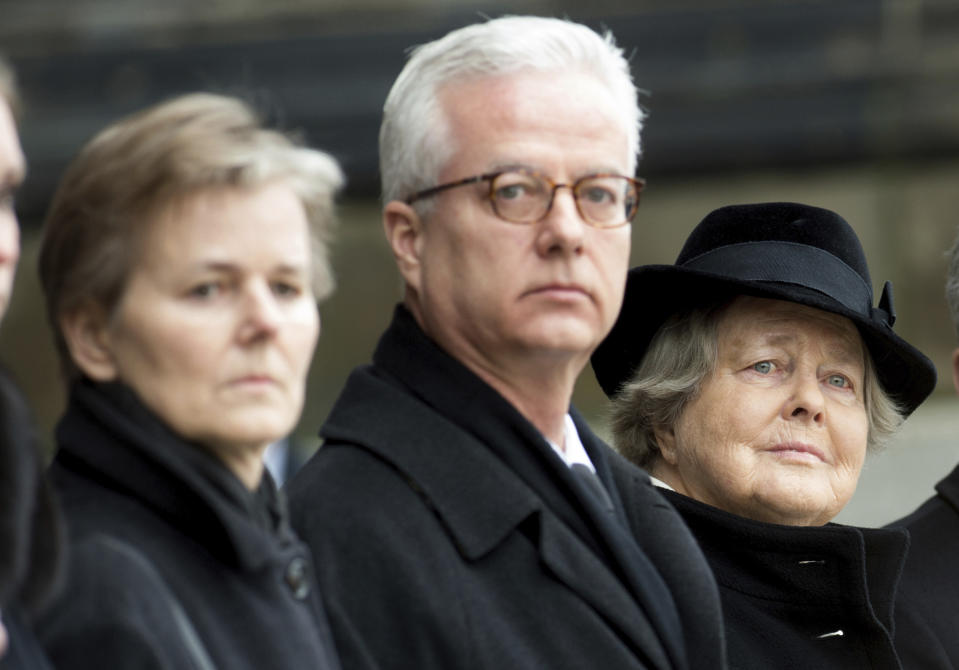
[(592, 484)]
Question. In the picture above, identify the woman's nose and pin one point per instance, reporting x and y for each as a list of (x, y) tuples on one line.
[(806, 401), (261, 313)]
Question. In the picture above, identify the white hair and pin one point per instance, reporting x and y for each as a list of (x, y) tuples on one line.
[(415, 140)]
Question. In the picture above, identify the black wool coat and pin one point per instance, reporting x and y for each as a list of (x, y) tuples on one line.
[(447, 534), (31, 535), (929, 590), (174, 564), (801, 597)]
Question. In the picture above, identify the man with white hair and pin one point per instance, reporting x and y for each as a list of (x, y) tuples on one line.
[(461, 513)]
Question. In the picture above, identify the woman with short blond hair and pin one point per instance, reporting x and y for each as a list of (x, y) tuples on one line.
[(182, 260)]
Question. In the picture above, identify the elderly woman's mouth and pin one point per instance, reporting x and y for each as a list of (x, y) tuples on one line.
[(800, 451)]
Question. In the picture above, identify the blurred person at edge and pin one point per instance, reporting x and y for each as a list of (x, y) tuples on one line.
[(461, 513), (182, 260), (750, 378), (929, 590), (31, 536)]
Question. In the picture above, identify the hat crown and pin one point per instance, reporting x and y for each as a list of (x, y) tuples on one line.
[(780, 251), (778, 222)]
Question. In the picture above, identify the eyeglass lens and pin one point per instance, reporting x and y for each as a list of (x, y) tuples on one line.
[(601, 200)]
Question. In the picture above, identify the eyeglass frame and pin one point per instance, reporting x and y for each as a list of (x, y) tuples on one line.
[(638, 183)]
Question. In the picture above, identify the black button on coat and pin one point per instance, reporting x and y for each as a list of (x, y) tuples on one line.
[(174, 564)]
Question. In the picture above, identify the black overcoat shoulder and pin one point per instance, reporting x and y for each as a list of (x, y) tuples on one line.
[(929, 589), (173, 563), (447, 535)]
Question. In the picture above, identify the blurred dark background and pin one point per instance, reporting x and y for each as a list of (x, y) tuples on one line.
[(847, 104)]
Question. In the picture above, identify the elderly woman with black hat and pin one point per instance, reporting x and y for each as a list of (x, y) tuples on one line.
[(750, 379)]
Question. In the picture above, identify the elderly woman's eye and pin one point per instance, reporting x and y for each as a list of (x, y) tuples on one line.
[(838, 380), (763, 367)]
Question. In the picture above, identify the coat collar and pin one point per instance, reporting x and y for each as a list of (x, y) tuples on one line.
[(767, 560), (108, 436), (463, 409), (948, 488), (504, 472)]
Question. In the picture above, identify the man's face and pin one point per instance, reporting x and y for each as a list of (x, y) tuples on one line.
[(12, 168), (494, 293)]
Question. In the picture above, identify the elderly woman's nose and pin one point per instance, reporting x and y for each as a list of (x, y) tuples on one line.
[(806, 400)]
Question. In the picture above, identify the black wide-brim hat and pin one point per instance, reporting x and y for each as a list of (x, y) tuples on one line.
[(783, 251)]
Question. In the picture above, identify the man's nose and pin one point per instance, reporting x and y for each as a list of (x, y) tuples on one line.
[(563, 228)]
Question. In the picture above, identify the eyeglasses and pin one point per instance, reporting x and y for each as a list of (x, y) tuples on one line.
[(526, 196)]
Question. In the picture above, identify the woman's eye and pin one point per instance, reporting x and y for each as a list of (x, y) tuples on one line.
[(205, 290), (286, 289), (838, 380), (763, 367)]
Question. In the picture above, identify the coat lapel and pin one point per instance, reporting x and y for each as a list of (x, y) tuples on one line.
[(562, 553), (480, 501)]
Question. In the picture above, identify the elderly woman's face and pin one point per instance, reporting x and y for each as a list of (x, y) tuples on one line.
[(217, 324), (778, 431)]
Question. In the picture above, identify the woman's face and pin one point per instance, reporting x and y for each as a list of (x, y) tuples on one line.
[(778, 431), (217, 324)]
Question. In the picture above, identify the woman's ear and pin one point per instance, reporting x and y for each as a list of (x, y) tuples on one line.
[(404, 232), (86, 335), (666, 439)]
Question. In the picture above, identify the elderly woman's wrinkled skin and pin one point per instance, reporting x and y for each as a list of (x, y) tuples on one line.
[(778, 430)]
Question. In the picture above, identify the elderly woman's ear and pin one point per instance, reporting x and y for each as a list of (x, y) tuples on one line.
[(85, 334), (666, 440)]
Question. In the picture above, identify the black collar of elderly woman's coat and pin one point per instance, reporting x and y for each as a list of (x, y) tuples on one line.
[(783, 251), (858, 568)]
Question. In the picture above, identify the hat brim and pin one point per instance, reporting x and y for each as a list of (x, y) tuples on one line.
[(656, 292)]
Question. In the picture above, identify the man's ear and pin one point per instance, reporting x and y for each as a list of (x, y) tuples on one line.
[(85, 332), (404, 232)]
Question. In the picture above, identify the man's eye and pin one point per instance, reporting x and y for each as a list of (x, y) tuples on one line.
[(511, 192), (598, 195), (763, 367)]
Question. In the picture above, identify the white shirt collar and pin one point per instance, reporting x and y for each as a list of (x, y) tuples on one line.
[(574, 452), (660, 483)]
